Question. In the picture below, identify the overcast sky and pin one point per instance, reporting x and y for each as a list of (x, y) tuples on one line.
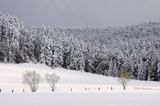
[(82, 13)]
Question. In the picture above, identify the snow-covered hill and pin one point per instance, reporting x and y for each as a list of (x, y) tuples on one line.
[(138, 93), (11, 78)]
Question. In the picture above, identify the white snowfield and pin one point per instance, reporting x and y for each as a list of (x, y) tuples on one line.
[(74, 89)]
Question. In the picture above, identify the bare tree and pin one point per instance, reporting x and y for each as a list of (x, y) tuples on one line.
[(52, 79), (124, 78), (32, 79)]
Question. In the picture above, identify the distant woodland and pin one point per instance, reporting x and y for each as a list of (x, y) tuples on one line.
[(107, 51)]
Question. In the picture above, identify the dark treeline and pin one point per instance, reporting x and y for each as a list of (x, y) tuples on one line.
[(107, 51)]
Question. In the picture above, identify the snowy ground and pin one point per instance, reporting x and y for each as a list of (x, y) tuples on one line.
[(79, 99), (87, 89)]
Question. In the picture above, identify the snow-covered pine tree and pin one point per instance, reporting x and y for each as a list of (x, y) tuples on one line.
[(10, 28), (77, 61)]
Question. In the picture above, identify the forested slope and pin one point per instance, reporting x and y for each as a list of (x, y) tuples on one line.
[(107, 51)]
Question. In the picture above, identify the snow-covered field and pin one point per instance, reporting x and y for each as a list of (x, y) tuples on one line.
[(87, 89), (79, 99)]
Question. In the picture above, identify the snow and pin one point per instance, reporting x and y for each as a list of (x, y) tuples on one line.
[(11, 78), (74, 89), (79, 99)]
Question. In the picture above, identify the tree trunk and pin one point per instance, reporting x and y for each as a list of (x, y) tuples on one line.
[(52, 89), (124, 87)]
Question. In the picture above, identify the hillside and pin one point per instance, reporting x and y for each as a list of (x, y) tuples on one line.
[(11, 78), (138, 93)]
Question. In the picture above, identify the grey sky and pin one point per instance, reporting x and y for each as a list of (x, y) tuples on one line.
[(82, 13)]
